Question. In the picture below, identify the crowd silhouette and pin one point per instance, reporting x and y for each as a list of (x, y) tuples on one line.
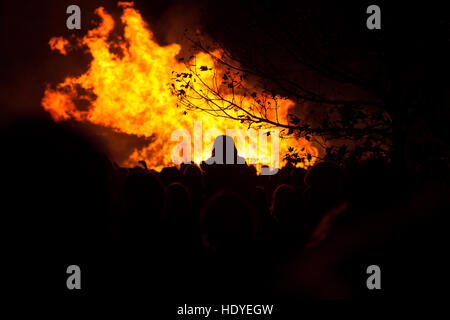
[(209, 230)]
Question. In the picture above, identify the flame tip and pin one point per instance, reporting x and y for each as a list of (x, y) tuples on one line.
[(125, 4)]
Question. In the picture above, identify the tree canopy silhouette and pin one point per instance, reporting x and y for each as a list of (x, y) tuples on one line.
[(349, 83)]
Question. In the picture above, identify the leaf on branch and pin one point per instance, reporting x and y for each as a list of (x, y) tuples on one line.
[(293, 119)]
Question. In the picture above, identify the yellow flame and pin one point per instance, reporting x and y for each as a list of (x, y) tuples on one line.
[(130, 91)]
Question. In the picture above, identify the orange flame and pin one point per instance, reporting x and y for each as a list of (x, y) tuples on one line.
[(130, 92)]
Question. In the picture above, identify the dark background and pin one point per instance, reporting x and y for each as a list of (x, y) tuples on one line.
[(415, 35)]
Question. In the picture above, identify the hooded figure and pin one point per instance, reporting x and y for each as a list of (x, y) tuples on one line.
[(226, 170), (225, 152)]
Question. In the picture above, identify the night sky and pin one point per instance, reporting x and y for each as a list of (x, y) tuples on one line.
[(414, 38), (59, 185)]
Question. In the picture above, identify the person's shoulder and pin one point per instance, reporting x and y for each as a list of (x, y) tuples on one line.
[(210, 161)]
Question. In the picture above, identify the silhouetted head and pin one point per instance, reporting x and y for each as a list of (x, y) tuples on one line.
[(298, 177), (369, 183), (169, 175), (178, 203), (283, 201), (253, 170), (192, 176), (54, 183), (261, 205), (54, 200), (262, 196), (227, 223), (144, 201), (323, 175), (224, 151)]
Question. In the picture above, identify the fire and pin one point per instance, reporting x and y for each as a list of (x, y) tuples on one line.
[(128, 90)]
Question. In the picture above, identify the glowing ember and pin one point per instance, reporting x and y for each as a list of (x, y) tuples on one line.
[(130, 92)]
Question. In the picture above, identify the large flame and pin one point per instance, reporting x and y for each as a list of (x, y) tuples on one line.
[(128, 90)]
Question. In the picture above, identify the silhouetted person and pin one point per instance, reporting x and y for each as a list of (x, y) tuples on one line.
[(228, 223), (226, 170), (267, 224), (283, 203), (369, 184), (262, 209), (283, 176), (288, 209), (323, 181), (323, 190), (180, 242), (192, 178), (178, 203), (144, 197), (55, 203), (228, 229), (297, 180), (181, 222), (140, 246), (169, 175)]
